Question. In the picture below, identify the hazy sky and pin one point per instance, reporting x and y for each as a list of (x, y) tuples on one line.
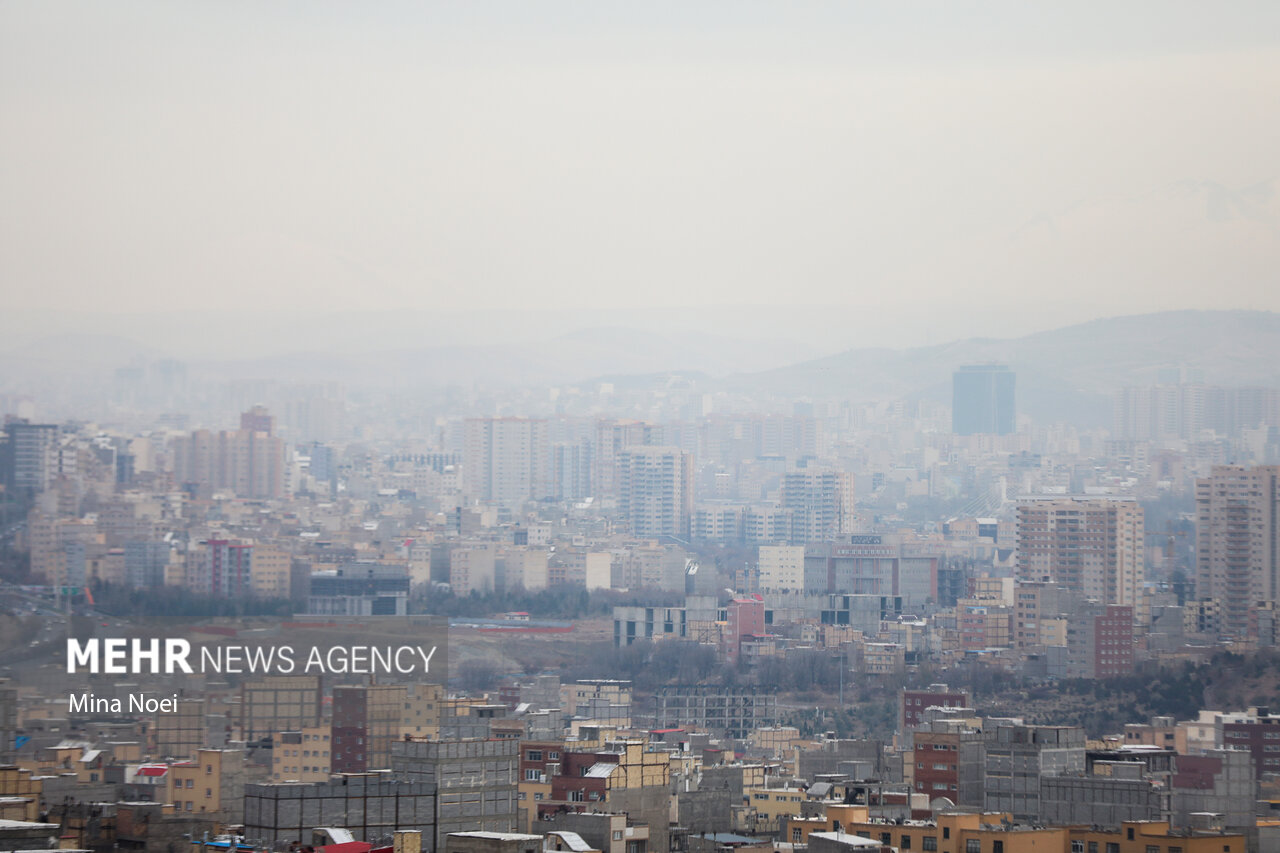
[(979, 166)]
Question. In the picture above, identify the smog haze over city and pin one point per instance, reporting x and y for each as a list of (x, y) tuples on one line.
[(640, 428)]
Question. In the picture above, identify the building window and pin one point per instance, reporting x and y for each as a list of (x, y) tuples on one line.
[(1113, 847), (1093, 847), (1153, 848), (906, 843), (1077, 847), (972, 845), (946, 832), (532, 775), (997, 846), (929, 842), (617, 835), (534, 755)]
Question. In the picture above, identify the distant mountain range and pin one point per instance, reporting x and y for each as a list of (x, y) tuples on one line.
[(1067, 374)]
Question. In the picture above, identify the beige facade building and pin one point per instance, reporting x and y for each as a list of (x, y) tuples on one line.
[(472, 569), (214, 781), (423, 706), (506, 460), (524, 566), (821, 502), (1093, 546), (269, 571), (655, 490), (302, 756), (613, 437), (781, 568), (1238, 543), (249, 462)]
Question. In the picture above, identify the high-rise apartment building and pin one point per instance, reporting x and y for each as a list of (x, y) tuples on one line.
[(1093, 546), (821, 502), (1185, 410), (257, 419), (571, 470), (982, 400), (1238, 542), (612, 437), (29, 456), (506, 460), (655, 490), (249, 461), (221, 567), (145, 563)]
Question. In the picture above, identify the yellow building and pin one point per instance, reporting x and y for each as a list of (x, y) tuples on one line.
[(639, 766), (601, 690), (1152, 836), (590, 734), (883, 658), (773, 806), (204, 785), (269, 571), (423, 705), (61, 758), (301, 756), (20, 784), (774, 740), (949, 833), (125, 751)]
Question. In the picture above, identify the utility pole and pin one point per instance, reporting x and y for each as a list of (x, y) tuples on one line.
[(844, 657)]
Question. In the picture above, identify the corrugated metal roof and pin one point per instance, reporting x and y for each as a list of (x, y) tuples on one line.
[(572, 840)]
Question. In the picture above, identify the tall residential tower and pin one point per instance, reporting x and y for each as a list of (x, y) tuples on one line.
[(1093, 546), (1238, 543)]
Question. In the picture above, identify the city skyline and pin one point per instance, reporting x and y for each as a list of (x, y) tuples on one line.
[(640, 428)]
